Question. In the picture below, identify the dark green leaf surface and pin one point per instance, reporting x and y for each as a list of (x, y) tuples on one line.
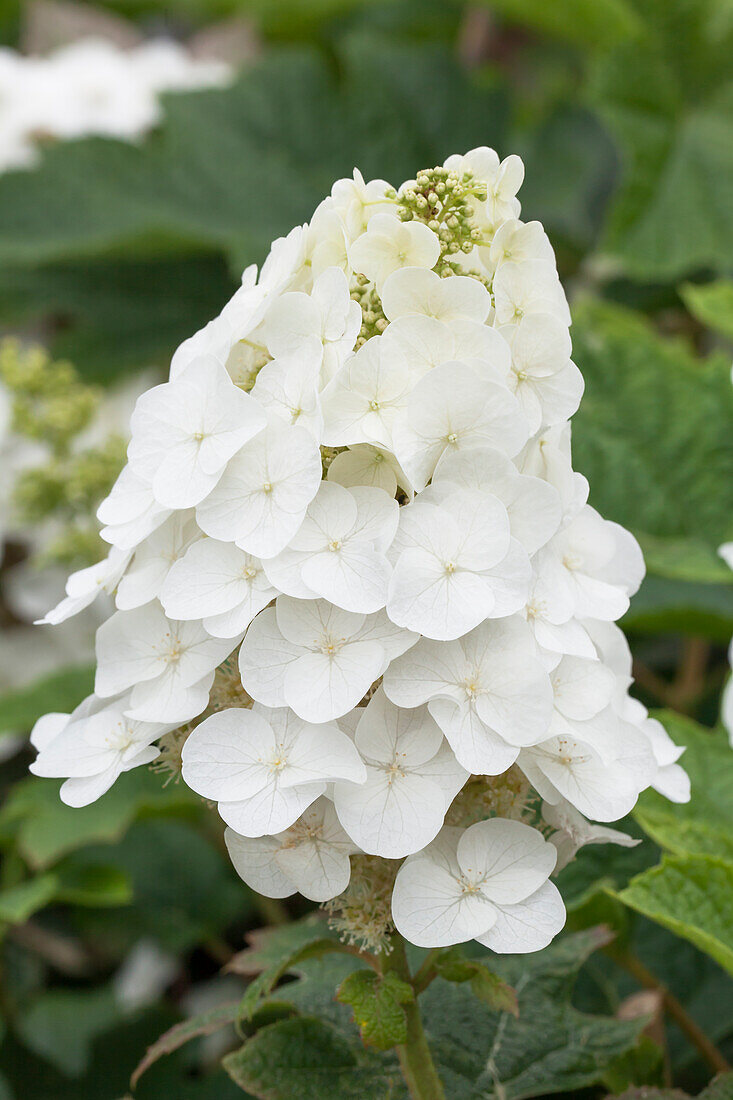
[(667, 95), (305, 1057), (690, 895), (653, 431), (711, 304)]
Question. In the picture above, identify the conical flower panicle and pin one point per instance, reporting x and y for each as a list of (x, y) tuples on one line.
[(359, 581)]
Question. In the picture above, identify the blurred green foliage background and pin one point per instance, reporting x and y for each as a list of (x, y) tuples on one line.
[(114, 253)]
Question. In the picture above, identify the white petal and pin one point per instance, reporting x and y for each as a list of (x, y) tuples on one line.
[(263, 658), (223, 757), (254, 861), (430, 909), (511, 859), (320, 687), (527, 926)]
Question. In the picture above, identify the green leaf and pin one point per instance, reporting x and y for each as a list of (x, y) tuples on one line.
[(184, 888), (377, 1001), (690, 895), (453, 966), (45, 829), (307, 1058), (17, 903), (711, 304), (570, 162), (204, 1023), (117, 314), (61, 691), (642, 1065), (684, 559), (550, 1047), (595, 23), (662, 605), (61, 1025), (269, 946), (483, 1053), (653, 436), (93, 885), (198, 185), (720, 1088), (667, 95), (265, 982)]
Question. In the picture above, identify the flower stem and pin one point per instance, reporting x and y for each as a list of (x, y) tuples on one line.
[(416, 1060), (676, 1011)]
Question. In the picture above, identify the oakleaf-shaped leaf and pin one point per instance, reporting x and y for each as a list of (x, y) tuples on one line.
[(377, 1000), (690, 895), (453, 966)]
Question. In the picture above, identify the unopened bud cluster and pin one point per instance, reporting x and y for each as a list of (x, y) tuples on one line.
[(67, 470), (360, 594)]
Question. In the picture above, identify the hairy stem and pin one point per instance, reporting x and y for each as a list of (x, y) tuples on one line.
[(676, 1011), (416, 1060)]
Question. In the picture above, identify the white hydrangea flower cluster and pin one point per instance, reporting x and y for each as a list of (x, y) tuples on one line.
[(91, 86), (361, 594)]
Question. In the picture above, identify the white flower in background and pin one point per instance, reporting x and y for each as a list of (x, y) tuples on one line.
[(310, 858), (595, 564), (532, 505), (425, 342), (460, 886), (385, 247), (264, 767), (502, 180), (360, 477), (547, 456), (317, 658), (602, 779), (545, 380), (411, 779), (367, 396), (92, 87), (357, 202), (671, 780), (288, 387), (519, 242), (339, 552), (526, 290)]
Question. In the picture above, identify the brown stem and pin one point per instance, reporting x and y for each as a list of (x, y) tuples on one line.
[(63, 954), (689, 682), (416, 1060), (676, 1011), (651, 682)]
